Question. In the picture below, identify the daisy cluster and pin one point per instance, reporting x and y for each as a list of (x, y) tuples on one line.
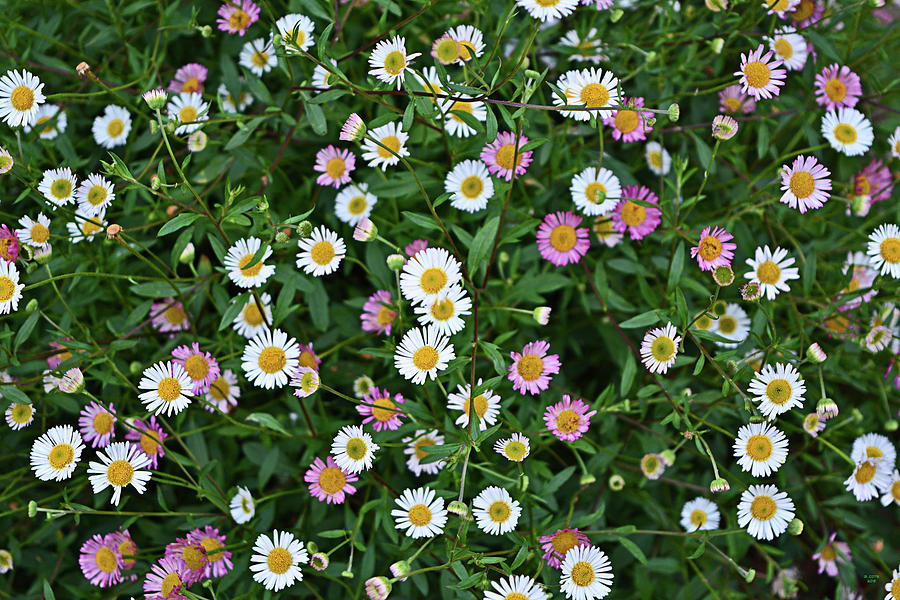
[(401, 256)]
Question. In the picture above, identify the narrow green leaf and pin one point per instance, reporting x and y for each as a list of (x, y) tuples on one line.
[(25, 330), (177, 222), (642, 320), (633, 549)]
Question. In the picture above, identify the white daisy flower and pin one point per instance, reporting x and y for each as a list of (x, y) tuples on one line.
[(353, 449), (495, 511), (86, 228), (321, 253), (470, 186), (893, 586), (121, 465), (111, 129), (566, 83), (487, 405), (46, 113), (55, 454), (734, 325), (765, 512), (445, 314), (20, 96), (296, 32), (586, 573), (431, 83), (58, 186), (19, 416), (276, 561), (700, 514), (894, 142), (790, 47), (771, 270), (658, 159), (168, 386), (250, 322), (884, 250), (258, 56), (429, 275), (421, 514), (516, 448), (242, 506), (595, 191), (869, 477), (594, 88), (270, 359), (848, 131), (659, 348), (94, 195), (779, 389), (516, 587), (35, 233), (354, 203), (389, 60), (389, 136), (10, 288), (760, 448), (587, 49), (231, 105), (454, 124), (415, 449), (189, 110), (321, 77), (471, 42), (238, 261), (878, 338), (548, 9), (874, 445), (892, 490), (423, 352)]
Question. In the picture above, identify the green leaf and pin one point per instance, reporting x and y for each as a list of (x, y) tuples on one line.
[(177, 222), (332, 533), (556, 482), (420, 220), (482, 243), (699, 551), (14, 394), (408, 115), (628, 374), (25, 330), (809, 272), (676, 267), (316, 117), (328, 96), (236, 306), (490, 126), (642, 320), (48, 593), (267, 421), (633, 549)]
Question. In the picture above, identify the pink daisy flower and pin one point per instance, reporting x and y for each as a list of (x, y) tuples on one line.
[(813, 424), (189, 78), (235, 16), (96, 424), (415, 247), (779, 7), (531, 370), (335, 166), (568, 420), (498, 156), (733, 100), (560, 240), (759, 75), (328, 482), (714, 249), (9, 244), (125, 547), (832, 554), (838, 326), (637, 220), (862, 277), (191, 556), (653, 465), (150, 438), (837, 86), (557, 544), (805, 183), (805, 13), (378, 407), (164, 580), (217, 563), (54, 360), (223, 392), (599, 5), (376, 316), (874, 181), (201, 367), (629, 125), (168, 316), (100, 561), (308, 357)]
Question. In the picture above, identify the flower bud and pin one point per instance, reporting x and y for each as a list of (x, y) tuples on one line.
[(31, 306), (187, 255), (826, 409), (378, 588), (716, 44), (318, 561), (878, 545), (503, 257), (354, 129), (891, 425), (795, 527), (860, 205), (587, 479), (154, 127), (155, 183), (32, 509), (206, 31), (716, 6), (312, 547), (281, 237), (395, 262), (815, 353), (155, 99), (197, 141), (674, 112), (72, 382), (668, 457), (135, 367), (43, 254), (724, 127), (723, 275), (719, 485), (400, 570), (857, 415), (615, 15), (541, 314), (304, 229), (365, 230), (347, 574), (82, 69), (112, 231), (170, 127), (750, 575), (616, 482), (458, 508), (751, 292)]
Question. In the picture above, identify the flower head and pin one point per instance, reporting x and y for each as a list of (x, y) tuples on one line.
[(568, 420)]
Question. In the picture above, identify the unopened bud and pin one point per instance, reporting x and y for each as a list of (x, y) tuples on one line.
[(170, 127), (674, 112), (187, 255), (171, 210), (723, 275), (155, 183), (503, 257), (32, 509), (155, 99), (668, 457), (395, 262), (82, 69), (206, 31), (154, 127), (795, 527), (616, 14), (616, 482), (347, 574), (458, 508), (31, 306), (112, 231), (717, 44), (750, 575), (724, 127), (541, 314), (857, 415), (318, 561), (135, 367), (751, 292), (719, 485), (815, 353), (281, 237), (891, 425), (878, 545), (400, 570), (304, 229), (43, 254), (365, 230), (587, 479)]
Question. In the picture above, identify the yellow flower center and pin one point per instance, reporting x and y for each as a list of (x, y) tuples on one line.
[(499, 511), (392, 142), (103, 423), (385, 316), (564, 541), (260, 58), (7, 288), (39, 234), (219, 389), (768, 272), (837, 323), (420, 446), (188, 114), (698, 517), (21, 413), (193, 557), (505, 156), (595, 192), (763, 508), (443, 309), (873, 452), (781, 5), (662, 348), (448, 50), (175, 315), (239, 20), (357, 205), (460, 107), (106, 559), (60, 456), (865, 473), (168, 389), (298, 39), (119, 473), (733, 104), (710, 248), (861, 185), (895, 492), (307, 360), (332, 480), (197, 367), (425, 358), (784, 48), (279, 561), (845, 133), (835, 90), (252, 315), (335, 167), (828, 553), (90, 227), (727, 325), (419, 515), (22, 98), (582, 574), (322, 253), (466, 50), (650, 464), (514, 450), (433, 280), (115, 128), (149, 443), (802, 184), (757, 74), (383, 409), (594, 94), (191, 85), (633, 214), (803, 11), (515, 596), (779, 391), (759, 448), (209, 544), (627, 121), (890, 250), (170, 583), (128, 551), (61, 188), (481, 405), (563, 238), (356, 448), (471, 187), (97, 195), (567, 421), (394, 62), (272, 359), (530, 367), (895, 588), (249, 271)]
